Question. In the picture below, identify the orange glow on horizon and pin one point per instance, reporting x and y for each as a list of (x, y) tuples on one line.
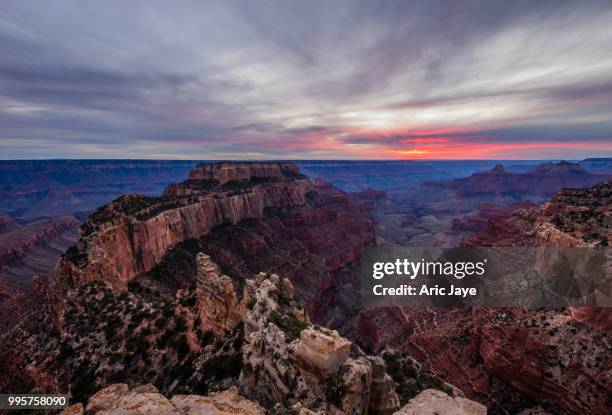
[(408, 145), (475, 150)]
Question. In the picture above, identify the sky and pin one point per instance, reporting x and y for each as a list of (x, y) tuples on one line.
[(305, 79)]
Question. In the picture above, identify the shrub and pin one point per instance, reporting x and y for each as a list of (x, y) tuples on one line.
[(182, 347), (160, 323), (290, 325), (223, 366)]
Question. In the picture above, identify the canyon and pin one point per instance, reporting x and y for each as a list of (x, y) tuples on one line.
[(28, 249), (501, 357), (244, 278), (279, 221)]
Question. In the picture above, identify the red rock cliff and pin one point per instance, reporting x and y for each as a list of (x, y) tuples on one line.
[(277, 218), (130, 235)]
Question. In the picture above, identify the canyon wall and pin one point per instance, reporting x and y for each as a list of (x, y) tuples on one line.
[(500, 357), (130, 243), (16, 241), (250, 216)]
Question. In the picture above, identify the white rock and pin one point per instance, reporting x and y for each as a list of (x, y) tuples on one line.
[(432, 402)]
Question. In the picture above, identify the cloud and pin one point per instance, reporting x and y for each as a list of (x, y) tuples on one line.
[(273, 79)]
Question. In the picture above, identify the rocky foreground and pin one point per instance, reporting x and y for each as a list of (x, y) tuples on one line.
[(119, 399), (287, 364)]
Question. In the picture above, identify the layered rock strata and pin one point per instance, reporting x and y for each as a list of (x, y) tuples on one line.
[(557, 358), (16, 241), (131, 235), (249, 216)]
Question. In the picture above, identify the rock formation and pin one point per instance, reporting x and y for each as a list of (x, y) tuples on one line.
[(206, 177), (289, 359), (219, 310), (262, 348), (573, 218), (119, 399), (143, 228), (501, 356), (248, 216), (432, 401), (538, 184)]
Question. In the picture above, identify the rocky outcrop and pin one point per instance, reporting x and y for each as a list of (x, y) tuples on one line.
[(206, 177), (322, 350), (228, 402), (143, 229), (546, 355), (218, 307), (119, 399), (579, 218), (289, 359), (203, 339), (265, 216), (432, 402), (580, 214), (131, 235), (574, 218)]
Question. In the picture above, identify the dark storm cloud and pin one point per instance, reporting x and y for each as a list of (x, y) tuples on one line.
[(256, 79)]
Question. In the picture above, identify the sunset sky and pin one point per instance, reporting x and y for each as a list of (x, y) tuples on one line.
[(306, 80)]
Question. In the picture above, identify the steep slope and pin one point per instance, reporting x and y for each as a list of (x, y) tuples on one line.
[(204, 338), (513, 359), (248, 216)]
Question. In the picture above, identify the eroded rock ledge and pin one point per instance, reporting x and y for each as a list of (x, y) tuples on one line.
[(119, 399), (250, 216), (287, 363)]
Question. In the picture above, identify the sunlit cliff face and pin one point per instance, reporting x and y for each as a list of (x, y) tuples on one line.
[(306, 80)]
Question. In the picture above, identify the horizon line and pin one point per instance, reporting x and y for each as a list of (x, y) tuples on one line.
[(299, 160)]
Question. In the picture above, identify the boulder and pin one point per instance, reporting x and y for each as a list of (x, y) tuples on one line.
[(435, 402), (324, 350), (228, 402)]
